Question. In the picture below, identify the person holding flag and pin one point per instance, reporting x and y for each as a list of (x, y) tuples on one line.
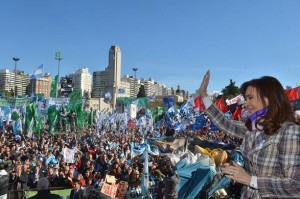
[(271, 138)]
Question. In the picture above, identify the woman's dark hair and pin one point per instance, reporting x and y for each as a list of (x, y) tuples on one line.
[(279, 108)]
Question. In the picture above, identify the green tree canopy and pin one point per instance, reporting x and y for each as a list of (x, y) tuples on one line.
[(141, 92), (231, 90)]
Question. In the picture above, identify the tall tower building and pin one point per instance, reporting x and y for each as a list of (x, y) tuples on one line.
[(114, 71), (108, 80)]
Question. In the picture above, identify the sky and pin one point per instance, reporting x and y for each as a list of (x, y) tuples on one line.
[(173, 42)]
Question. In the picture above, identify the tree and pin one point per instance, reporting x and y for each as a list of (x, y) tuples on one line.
[(231, 90), (141, 92)]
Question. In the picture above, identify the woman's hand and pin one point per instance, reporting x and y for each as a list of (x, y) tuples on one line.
[(237, 173), (204, 84)]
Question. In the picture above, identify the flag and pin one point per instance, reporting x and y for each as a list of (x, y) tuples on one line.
[(75, 100), (29, 132), (294, 97), (237, 113), (151, 98), (156, 112), (141, 102), (57, 55), (199, 103), (189, 104), (168, 102), (17, 128), (54, 86), (38, 72), (145, 176), (122, 90), (221, 105)]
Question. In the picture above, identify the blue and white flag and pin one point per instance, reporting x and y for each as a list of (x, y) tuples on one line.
[(151, 98), (122, 90), (29, 131), (145, 176), (38, 73), (17, 128)]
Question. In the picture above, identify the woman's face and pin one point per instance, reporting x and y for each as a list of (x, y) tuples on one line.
[(253, 101)]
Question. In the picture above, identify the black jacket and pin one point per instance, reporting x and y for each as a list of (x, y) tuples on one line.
[(77, 195)]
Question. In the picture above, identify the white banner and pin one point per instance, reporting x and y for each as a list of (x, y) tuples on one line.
[(236, 99), (68, 155)]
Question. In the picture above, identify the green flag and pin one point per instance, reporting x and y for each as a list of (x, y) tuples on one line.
[(54, 86), (156, 112), (91, 117), (75, 100), (52, 116), (57, 55), (142, 103)]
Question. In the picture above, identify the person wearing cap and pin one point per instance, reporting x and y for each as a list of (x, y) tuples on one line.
[(4, 178), (43, 190)]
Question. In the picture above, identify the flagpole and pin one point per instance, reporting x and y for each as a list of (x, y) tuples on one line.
[(58, 58), (16, 59)]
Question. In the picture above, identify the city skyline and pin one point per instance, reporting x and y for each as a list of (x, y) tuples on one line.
[(173, 42)]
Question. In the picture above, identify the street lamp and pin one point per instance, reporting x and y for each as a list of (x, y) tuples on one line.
[(134, 69), (16, 59)]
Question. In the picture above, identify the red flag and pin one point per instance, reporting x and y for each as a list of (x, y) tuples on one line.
[(221, 104), (199, 103), (237, 113), (293, 94)]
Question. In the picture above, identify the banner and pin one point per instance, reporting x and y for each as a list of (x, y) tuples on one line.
[(115, 190), (68, 155), (168, 102), (58, 102), (235, 100), (14, 102)]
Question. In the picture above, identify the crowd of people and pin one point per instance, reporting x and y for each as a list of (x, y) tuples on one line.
[(97, 154)]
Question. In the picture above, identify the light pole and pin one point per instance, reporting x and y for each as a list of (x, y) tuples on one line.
[(16, 59), (134, 69), (58, 58)]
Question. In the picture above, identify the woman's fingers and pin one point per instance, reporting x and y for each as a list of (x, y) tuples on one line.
[(204, 84)]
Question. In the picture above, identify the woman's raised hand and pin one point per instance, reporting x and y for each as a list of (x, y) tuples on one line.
[(204, 84)]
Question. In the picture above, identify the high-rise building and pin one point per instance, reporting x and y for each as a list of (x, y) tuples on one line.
[(82, 79), (100, 79), (133, 89), (148, 86), (109, 80), (40, 86), (66, 86), (158, 88), (7, 81)]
